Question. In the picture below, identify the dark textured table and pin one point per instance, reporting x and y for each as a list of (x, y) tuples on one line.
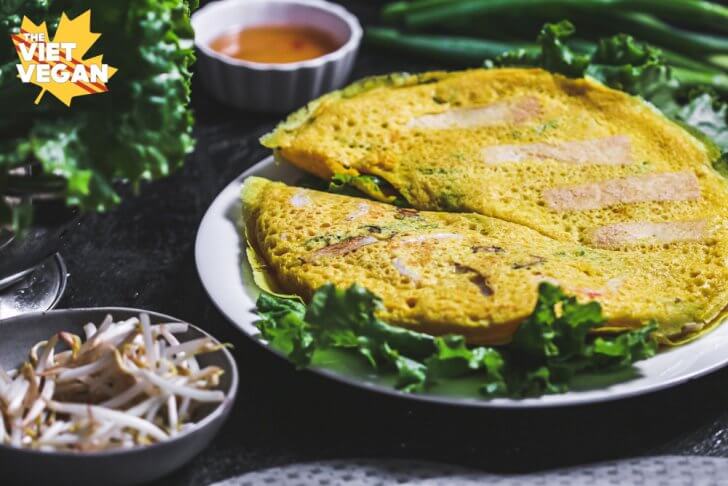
[(141, 255)]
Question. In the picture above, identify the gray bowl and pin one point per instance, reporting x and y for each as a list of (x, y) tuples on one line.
[(126, 466)]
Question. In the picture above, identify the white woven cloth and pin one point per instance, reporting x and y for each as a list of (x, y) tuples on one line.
[(649, 471)]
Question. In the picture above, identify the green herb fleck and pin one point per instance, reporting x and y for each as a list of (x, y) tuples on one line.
[(549, 125)]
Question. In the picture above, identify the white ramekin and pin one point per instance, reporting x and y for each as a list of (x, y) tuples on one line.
[(273, 87)]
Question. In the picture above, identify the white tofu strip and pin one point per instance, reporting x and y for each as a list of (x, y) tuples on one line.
[(636, 232), (516, 110), (403, 268), (616, 150), (668, 186), (361, 210), (300, 199)]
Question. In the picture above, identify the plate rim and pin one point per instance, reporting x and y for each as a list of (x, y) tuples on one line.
[(499, 403)]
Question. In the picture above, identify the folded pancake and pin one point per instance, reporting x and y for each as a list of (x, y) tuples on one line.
[(475, 275), (570, 158)]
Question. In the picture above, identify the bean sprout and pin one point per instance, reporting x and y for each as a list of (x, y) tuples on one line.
[(121, 384)]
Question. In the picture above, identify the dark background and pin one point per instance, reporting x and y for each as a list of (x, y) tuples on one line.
[(141, 255)]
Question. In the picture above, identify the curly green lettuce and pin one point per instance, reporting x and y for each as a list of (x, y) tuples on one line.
[(708, 115), (550, 348), (140, 130)]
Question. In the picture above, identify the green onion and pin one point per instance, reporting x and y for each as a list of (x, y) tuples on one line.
[(452, 49), (651, 29), (427, 13), (692, 78)]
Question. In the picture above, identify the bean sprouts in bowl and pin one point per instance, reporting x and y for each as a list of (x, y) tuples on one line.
[(87, 391)]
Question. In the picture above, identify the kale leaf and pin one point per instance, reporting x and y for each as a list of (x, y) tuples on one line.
[(140, 130), (548, 350), (710, 116)]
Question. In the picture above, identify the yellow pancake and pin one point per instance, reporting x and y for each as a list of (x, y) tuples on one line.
[(570, 158), (470, 274)]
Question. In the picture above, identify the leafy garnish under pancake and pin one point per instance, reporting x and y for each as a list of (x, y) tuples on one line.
[(550, 348)]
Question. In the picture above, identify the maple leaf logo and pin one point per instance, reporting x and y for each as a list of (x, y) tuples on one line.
[(62, 72)]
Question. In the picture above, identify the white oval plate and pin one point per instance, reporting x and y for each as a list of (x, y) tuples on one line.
[(226, 276)]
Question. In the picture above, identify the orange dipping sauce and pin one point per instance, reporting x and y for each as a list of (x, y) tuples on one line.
[(275, 44)]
